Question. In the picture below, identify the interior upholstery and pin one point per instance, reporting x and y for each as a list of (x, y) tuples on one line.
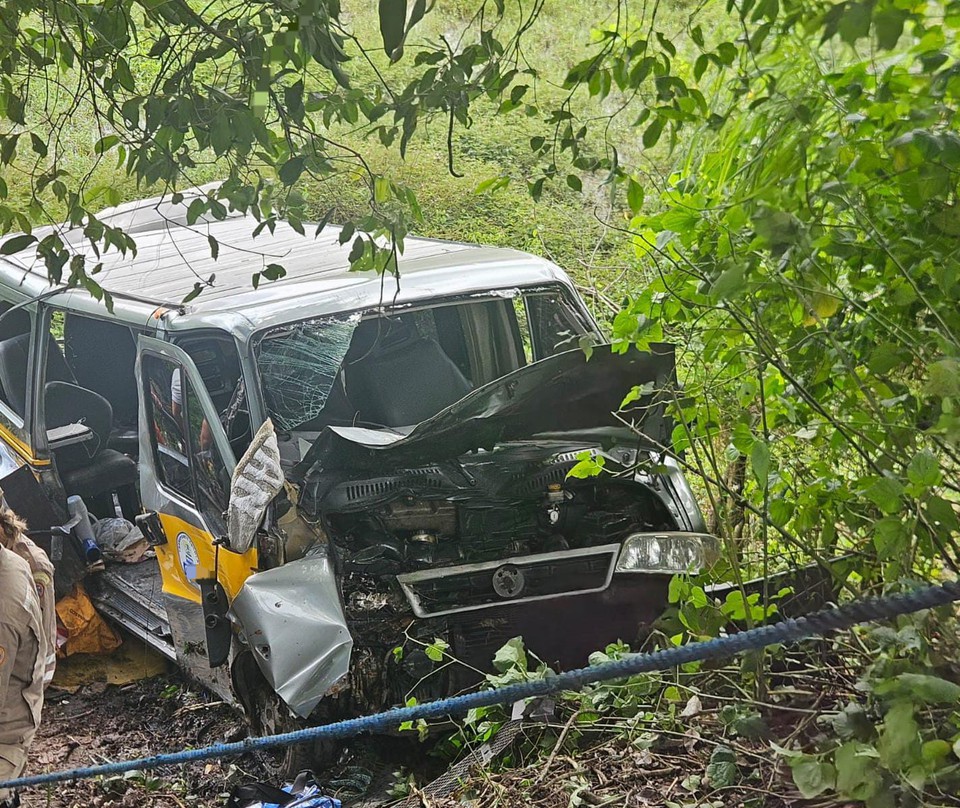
[(89, 469), (404, 383), (66, 403), (14, 354)]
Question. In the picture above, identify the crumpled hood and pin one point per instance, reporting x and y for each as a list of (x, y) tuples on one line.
[(562, 394)]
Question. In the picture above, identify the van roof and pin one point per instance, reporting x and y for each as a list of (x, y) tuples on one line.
[(173, 256)]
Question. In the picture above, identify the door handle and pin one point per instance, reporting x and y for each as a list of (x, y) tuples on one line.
[(150, 527)]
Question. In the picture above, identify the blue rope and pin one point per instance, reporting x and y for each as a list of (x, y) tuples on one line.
[(813, 625)]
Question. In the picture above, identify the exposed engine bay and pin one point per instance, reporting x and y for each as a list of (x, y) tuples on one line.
[(472, 512), (496, 530)]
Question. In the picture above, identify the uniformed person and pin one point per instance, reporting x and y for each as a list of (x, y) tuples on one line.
[(13, 537), (23, 654)]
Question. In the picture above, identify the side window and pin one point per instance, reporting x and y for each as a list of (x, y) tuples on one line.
[(186, 457), (554, 327), (14, 352), (523, 326), (164, 390), (209, 470)]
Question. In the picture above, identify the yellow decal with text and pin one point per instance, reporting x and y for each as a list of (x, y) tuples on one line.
[(190, 554)]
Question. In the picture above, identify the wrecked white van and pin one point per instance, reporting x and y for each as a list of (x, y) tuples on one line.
[(424, 426)]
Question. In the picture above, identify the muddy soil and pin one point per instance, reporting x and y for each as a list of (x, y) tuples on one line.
[(102, 723)]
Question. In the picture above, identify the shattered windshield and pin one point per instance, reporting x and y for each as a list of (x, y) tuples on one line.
[(400, 367)]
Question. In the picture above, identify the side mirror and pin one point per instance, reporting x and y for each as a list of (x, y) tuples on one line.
[(256, 480)]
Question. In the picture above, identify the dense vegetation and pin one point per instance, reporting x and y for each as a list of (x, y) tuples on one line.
[(772, 184)]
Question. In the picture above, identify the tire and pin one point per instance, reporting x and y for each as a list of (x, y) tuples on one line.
[(272, 718), (268, 715)]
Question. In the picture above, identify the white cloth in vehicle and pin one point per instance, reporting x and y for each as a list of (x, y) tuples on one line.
[(119, 540), (257, 479)]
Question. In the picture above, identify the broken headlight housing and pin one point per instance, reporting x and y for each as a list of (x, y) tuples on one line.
[(674, 553)]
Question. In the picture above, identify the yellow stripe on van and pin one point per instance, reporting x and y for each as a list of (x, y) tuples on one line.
[(189, 553), (21, 448)]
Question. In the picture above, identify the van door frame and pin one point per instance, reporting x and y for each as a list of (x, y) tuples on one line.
[(185, 528), (16, 431)]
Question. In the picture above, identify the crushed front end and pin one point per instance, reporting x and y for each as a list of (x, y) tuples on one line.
[(470, 528)]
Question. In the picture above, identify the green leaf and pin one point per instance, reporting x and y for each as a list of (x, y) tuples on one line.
[(381, 189), (15, 109), (899, 742), (934, 752), (722, 770), (511, 656), (587, 466), (885, 357), (942, 514), (39, 147), (15, 244), (356, 250), (943, 379), (273, 272), (652, 133), (885, 493), (855, 21), (123, 75), (291, 170), (214, 247), (924, 469), (634, 196), (780, 511), (393, 18), (852, 723), (760, 462), (435, 651), (858, 776), (888, 26), (920, 688), (105, 144), (324, 221), (812, 776), (891, 537), (573, 181), (731, 283), (346, 232)]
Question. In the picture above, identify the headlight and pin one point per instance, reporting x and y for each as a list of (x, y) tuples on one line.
[(673, 553)]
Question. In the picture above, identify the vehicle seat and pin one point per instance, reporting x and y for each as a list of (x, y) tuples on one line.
[(90, 469), (404, 383)]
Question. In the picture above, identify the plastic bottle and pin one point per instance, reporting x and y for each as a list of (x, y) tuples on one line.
[(84, 530)]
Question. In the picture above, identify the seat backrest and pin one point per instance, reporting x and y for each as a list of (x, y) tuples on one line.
[(66, 403), (14, 354), (405, 383)]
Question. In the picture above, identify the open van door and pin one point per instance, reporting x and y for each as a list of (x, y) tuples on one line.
[(185, 468)]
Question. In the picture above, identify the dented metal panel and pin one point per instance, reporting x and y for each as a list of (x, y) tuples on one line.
[(517, 406), (292, 618)]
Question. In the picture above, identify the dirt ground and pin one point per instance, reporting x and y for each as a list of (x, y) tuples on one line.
[(101, 723), (107, 718)]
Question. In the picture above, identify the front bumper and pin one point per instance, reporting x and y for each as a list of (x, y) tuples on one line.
[(562, 631)]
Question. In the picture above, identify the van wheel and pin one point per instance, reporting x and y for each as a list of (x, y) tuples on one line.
[(272, 717)]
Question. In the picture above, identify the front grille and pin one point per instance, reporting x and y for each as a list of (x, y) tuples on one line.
[(379, 486), (456, 589)]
